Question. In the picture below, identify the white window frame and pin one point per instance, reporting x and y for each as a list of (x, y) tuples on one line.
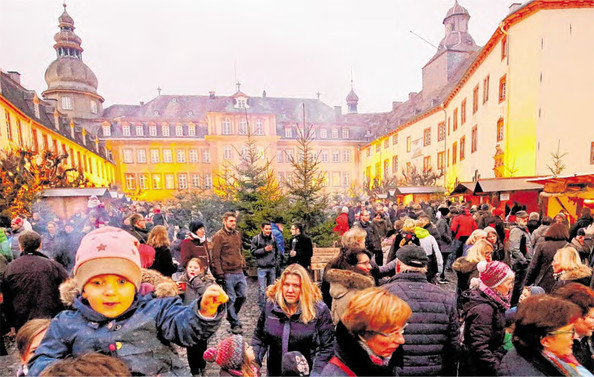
[(182, 181), (180, 156), (335, 133), (259, 127), (346, 156), (67, 103), (335, 156), (106, 130), (323, 133), (141, 156), (139, 130), (206, 156), (155, 159), (226, 126), (243, 125), (169, 182), (165, 130), (156, 181), (288, 132), (179, 130), (153, 131), (93, 107), (191, 130), (324, 156), (128, 156), (195, 180), (193, 156), (130, 181), (346, 133), (126, 130), (227, 152), (346, 179), (167, 156), (143, 181), (207, 180)]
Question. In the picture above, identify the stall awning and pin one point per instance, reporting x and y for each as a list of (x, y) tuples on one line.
[(101, 192), (406, 190), (505, 184), (464, 188)]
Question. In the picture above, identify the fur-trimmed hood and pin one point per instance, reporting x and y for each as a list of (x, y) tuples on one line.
[(349, 279), (151, 281), (463, 265)]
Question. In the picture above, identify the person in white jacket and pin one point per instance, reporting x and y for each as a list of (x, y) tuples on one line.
[(429, 244)]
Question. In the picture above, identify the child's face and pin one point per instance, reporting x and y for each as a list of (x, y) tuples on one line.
[(193, 269), (110, 295), (526, 292), (249, 352), (35, 342)]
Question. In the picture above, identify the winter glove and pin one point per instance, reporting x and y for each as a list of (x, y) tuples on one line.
[(212, 298)]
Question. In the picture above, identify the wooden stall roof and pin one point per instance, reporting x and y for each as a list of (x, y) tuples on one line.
[(406, 190), (505, 184), (100, 192)]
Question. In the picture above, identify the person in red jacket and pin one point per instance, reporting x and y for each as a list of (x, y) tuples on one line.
[(342, 222), (462, 226)]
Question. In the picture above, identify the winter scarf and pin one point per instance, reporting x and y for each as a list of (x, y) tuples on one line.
[(493, 295), (195, 237), (567, 364)]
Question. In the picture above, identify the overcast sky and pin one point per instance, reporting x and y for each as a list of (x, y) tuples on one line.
[(288, 48)]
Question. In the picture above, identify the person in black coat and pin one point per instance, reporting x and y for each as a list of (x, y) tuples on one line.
[(542, 338), (301, 247), (483, 314), (432, 338), (163, 262), (265, 252), (583, 222), (373, 241), (30, 284)]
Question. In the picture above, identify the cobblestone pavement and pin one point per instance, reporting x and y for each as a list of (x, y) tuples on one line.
[(249, 316)]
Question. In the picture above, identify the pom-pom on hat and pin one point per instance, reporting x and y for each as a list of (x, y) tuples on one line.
[(493, 273), (345, 209), (107, 250), (228, 354)]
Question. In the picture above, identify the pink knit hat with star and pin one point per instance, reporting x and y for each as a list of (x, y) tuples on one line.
[(107, 250), (228, 354), (493, 273)]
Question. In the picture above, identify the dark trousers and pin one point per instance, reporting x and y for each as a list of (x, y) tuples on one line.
[(519, 282), (196, 357), (379, 257)]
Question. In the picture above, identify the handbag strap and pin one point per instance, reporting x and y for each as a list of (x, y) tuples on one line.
[(336, 361)]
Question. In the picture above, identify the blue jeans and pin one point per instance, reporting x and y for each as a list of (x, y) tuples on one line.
[(236, 288), (266, 277)]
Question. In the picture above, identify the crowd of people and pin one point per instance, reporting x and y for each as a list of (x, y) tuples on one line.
[(116, 289)]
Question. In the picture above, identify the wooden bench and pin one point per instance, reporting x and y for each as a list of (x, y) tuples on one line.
[(321, 256)]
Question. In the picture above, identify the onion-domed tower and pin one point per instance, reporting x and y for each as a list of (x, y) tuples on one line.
[(352, 99), (70, 82)]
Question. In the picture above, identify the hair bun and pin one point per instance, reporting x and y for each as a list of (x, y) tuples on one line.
[(481, 266)]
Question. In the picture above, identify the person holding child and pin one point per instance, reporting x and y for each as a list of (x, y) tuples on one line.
[(110, 317)]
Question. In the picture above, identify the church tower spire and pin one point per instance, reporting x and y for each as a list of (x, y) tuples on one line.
[(352, 99), (70, 82)]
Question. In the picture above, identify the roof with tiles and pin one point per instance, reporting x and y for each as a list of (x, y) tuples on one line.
[(23, 100), (172, 107)]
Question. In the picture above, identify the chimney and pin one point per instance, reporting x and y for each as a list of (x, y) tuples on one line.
[(412, 96), (395, 105), (263, 94), (338, 110), (211, 94), (141, 103), (514, 7), (15, 76)]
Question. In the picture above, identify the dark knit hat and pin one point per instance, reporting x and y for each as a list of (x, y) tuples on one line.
[(493, 273), (444, 211), (228, 354), (294, 364), (412, 255), (195, 225)]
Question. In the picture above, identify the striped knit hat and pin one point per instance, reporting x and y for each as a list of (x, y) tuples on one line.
[(493, 273)]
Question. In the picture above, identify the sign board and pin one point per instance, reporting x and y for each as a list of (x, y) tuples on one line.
[(417, 148), (504, 196)]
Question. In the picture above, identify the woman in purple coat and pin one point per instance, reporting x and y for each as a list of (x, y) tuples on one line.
[(294, 319)]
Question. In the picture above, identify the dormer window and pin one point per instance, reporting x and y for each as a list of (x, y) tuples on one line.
[(139, 130), (126, 130), (155, 113), (191, 130), (37, 112), (179, 130), (165, 130), (153, 131), (106, 130), (242, 103)]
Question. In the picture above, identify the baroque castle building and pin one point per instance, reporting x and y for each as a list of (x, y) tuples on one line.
[(492, 111)]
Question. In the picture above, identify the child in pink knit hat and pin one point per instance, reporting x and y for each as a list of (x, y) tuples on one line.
[(234, 356), (112, 318)]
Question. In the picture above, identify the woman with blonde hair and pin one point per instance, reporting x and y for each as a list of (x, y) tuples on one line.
[(465, 267), (158, 238), (294, 319), (370, 330), (476, 235), (568, 267), (406, 236)]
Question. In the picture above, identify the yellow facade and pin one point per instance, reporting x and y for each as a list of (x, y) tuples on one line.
[(527, 91), (18, 129)]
